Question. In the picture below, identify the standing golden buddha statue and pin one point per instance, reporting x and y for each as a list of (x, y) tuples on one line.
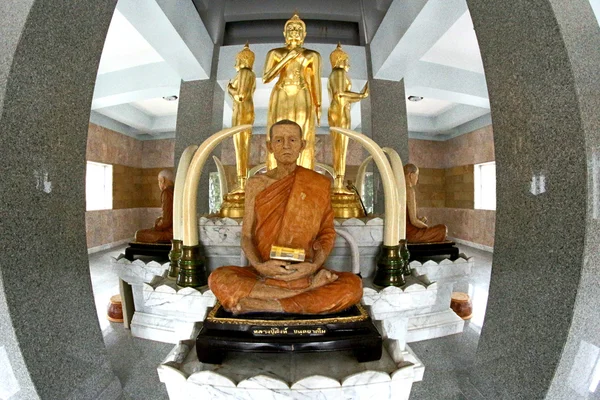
[(241, 89), (345, 203), (297, 93)]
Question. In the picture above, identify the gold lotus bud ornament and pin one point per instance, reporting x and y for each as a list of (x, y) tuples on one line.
[(295, 19), (337, 56), (246, 57)]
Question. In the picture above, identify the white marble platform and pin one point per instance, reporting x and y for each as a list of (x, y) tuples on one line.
[(445, 270), (418, 294), (324, 376), (420, 310), (137, 271), (169, 313), (164, 311)]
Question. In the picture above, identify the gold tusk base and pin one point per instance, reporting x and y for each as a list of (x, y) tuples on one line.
[(192, 272), (174, 256)]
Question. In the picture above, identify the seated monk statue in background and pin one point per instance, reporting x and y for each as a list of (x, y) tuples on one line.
[(289, 206), (417, 230), (163, 226)]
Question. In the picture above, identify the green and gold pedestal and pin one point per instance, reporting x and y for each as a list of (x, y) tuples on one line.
[(390, 267), (192, 272), (174, 257)]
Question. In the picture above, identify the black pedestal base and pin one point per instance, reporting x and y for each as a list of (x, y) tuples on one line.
[(351, 329), (424, 251), (157, 250)]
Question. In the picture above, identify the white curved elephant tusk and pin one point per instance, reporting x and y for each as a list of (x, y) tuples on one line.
[(222, 177), (182, 170), (190, 190), (392, 212)]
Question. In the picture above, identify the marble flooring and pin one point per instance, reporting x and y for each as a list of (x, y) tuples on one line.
[(447, 360)]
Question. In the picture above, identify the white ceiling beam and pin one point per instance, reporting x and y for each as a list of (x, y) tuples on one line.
[(163, 124), (128, 115), (459, 115), (174, 29), (447, 83), (446, 121), (134, 84), (451, 96), (109, 123), (408, 30), (420, 123)]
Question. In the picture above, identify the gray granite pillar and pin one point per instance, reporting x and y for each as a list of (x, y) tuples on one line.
[(200, 114), (51, 345), (383, 118), (540, 336)]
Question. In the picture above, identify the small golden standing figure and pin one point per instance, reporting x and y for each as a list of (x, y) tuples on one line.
[(345, 203), (241, 89), (297, 93)]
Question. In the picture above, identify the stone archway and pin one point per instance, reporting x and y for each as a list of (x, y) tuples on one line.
[(543, 67), (541, 62), (49, 54)]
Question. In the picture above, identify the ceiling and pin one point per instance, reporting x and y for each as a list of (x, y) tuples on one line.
[(152, 46)]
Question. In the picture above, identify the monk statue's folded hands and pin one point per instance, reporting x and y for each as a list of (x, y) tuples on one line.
[(273, 268), (298, 271)]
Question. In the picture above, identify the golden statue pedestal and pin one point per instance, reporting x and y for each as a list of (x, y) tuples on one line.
[(233, 205), (346, 205)]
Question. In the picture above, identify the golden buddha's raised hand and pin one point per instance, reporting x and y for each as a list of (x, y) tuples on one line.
[(274, 64), (365, 91)]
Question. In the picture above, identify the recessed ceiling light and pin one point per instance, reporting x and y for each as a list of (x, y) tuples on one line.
[(170, 98), (415, 98)]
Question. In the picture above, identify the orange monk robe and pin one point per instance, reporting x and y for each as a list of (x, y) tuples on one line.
[(292, 212), (163, 227), (431, 234)]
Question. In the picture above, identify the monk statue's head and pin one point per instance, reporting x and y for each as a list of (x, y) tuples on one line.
[(411, 174), (285, 141), (339, 58), (294, 31), (165, 179), (245, 58)]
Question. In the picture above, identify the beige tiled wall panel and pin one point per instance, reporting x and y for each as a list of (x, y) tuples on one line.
[(471, 148), (476, 226), (158, 153), (110, 147), (136, 196), (455, 157), (109, 226), (430, 190)]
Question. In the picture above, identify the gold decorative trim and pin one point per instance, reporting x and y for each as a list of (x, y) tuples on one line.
[(294, 322), (446, 242), (163, 244)]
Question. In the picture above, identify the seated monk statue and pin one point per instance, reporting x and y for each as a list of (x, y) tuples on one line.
[(162, 232), (289, 206), (417, 230)]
